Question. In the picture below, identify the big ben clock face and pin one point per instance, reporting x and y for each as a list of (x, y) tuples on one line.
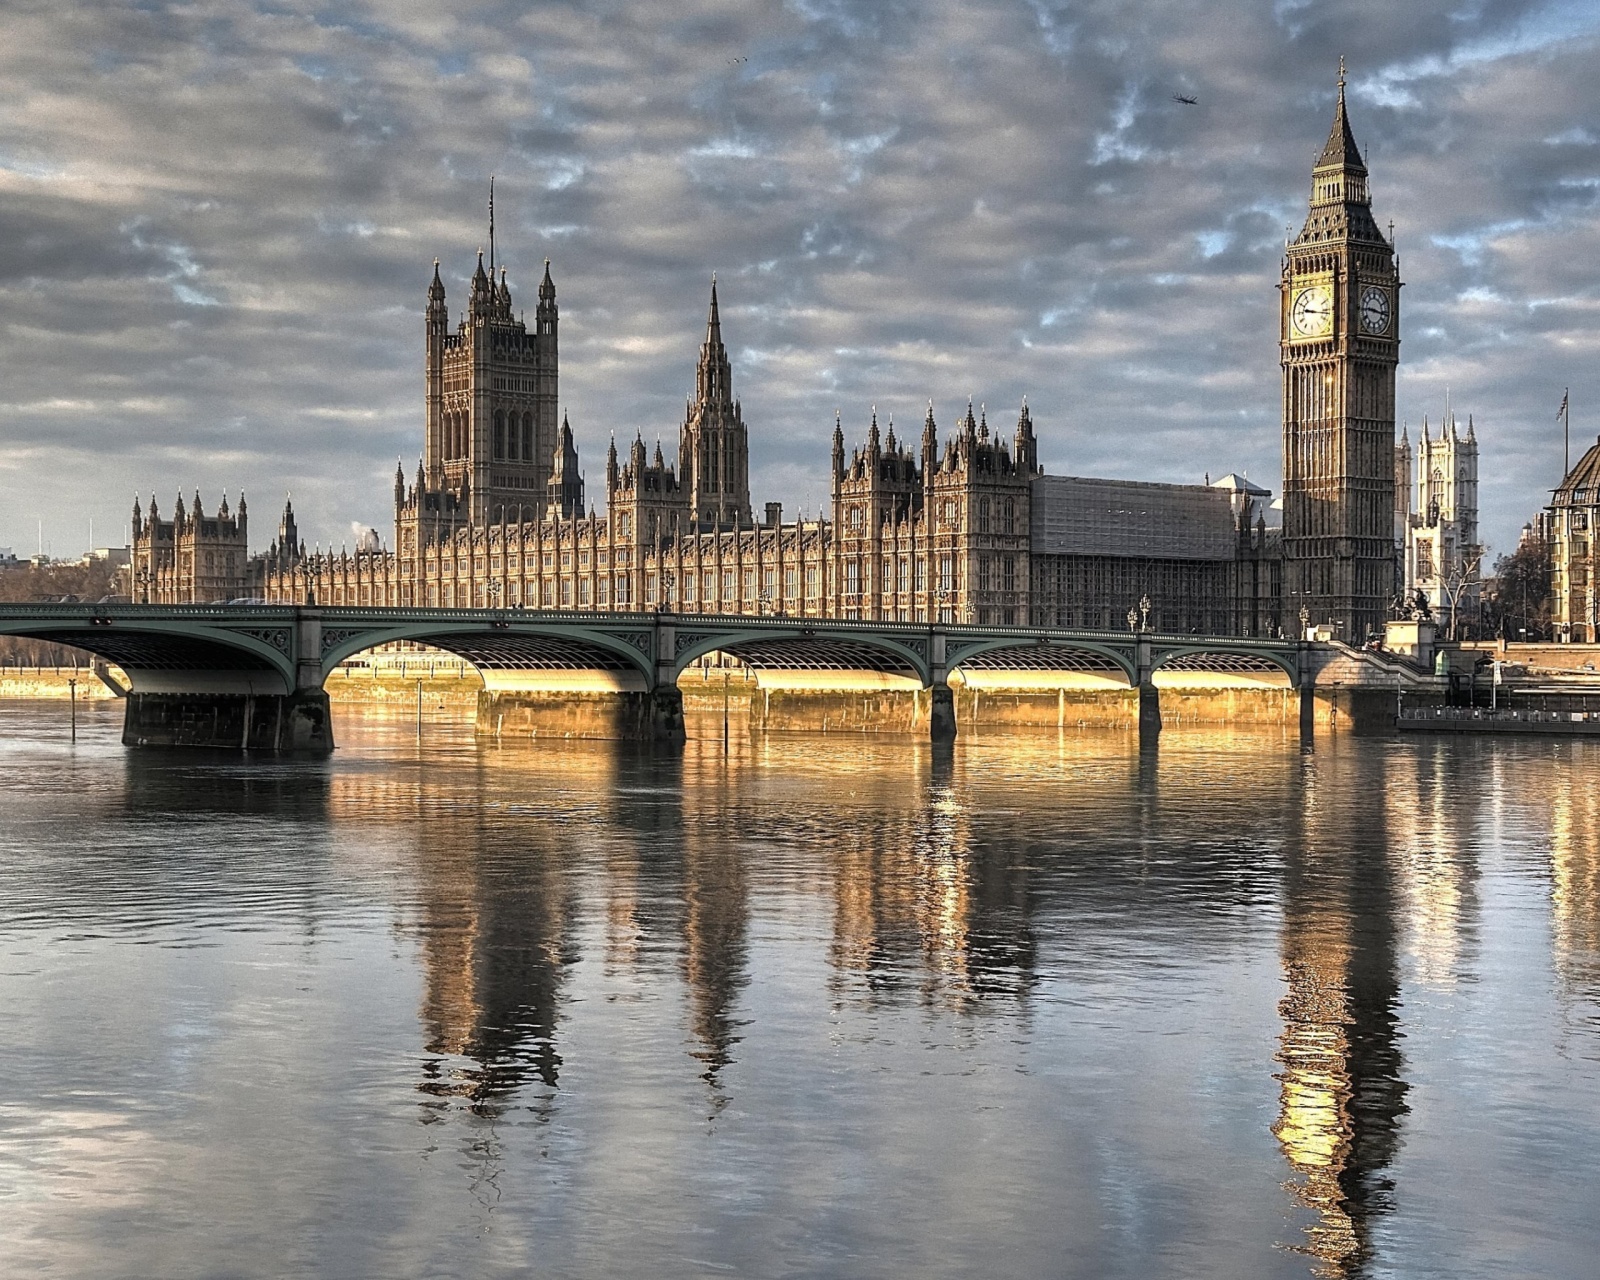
[(1311, 312), (1375, 309)]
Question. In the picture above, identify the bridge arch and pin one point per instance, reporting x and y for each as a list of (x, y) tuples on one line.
[(801, 647), (1224, 659), (1048, 654), (163, 655), (507, 645)]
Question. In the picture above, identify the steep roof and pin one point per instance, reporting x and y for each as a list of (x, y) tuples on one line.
[(1581, 487), (1341, 151)]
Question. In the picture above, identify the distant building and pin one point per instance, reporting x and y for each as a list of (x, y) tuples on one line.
[(1202, 554), (1570, 524), (192, 558), (1440, 552)]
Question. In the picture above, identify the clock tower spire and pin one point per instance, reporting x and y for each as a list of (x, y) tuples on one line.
[(1339, 347)]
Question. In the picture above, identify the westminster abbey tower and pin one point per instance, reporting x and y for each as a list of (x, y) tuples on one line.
[(1340, 343)]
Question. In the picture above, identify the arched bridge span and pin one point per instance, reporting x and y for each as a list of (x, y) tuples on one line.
[(262, 668)]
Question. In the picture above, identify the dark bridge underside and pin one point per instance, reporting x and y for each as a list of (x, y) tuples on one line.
[(1224, 663), (1043, 658), (521, 652), (819, 653), (156, 651)]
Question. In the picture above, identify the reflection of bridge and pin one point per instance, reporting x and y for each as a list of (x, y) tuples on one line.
[(253, 675)]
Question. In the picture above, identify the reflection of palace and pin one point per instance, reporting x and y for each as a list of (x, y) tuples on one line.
[(1431, 817), (919, 903), (716, 912), (497, 906), (1342, 1095), (494, 946), (1575, 877)]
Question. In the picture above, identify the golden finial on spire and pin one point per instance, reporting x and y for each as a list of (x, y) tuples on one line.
[(1341, 70)]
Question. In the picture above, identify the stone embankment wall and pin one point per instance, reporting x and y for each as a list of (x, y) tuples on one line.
[(54, 682), (1540, 657), (449, 685)]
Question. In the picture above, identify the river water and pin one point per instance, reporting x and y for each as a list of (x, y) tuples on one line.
[(813, 1006)]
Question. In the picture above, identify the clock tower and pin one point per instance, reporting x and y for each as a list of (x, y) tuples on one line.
[(1340, 344)]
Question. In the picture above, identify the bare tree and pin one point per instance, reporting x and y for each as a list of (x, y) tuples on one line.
[(1517, 598), (1457, 579)]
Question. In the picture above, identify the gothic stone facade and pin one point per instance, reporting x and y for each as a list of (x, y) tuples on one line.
[(192, 558), (1440, 555), (953, 530)]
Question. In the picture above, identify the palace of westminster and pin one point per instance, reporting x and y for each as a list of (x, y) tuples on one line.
[(963, 527)]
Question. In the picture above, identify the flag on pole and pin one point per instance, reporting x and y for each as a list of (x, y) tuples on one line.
[(1564, 417)]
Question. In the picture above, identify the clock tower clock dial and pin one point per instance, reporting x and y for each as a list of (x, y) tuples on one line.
[(1312, 311), (1339, 347), (1375, 309)]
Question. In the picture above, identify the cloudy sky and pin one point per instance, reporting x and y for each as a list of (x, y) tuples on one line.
[(218, 220)]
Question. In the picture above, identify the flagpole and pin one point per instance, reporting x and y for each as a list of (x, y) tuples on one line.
[(1565, 414)]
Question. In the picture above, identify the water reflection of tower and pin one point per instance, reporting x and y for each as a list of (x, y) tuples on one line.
[(921, 901), (1342, 1095), (496, 917), (716, 908), (1574, 871), (1432, 817)]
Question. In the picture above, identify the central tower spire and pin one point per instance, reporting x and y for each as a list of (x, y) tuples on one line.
[(713, 446)]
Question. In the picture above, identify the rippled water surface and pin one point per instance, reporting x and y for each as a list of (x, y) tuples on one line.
[(818, 1006)]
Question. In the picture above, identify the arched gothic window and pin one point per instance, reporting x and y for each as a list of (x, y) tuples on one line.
[(527, 437), (499, 435)]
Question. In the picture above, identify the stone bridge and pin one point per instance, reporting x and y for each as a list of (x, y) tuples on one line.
[(252, 675)]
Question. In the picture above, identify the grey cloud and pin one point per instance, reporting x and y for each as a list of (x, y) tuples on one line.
[(903, 201)]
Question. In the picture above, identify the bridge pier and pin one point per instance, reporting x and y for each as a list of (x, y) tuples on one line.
[(298, 721), (1149, 695), (941, 697), (1308, 693), (666, 715), (1149, 714)]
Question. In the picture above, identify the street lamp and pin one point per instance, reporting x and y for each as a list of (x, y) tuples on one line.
[(1305, 620), (763, 601), (1133, 620), (1144, 613), (668, 581)]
